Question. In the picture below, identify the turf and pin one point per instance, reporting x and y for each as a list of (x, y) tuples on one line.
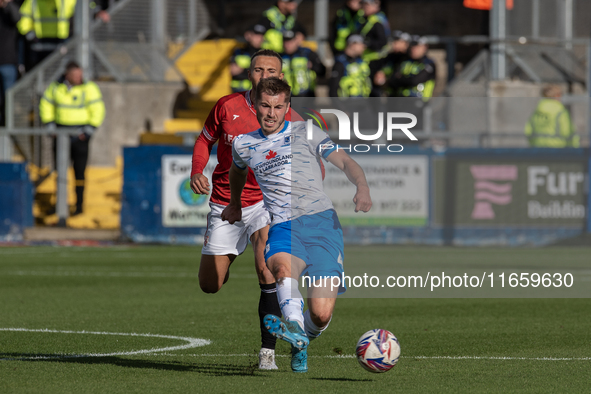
[(448, 345)]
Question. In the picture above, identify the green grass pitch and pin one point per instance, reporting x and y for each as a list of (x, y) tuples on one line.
[(448, 345)]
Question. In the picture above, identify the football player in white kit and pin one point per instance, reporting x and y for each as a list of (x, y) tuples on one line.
[(305, 237)]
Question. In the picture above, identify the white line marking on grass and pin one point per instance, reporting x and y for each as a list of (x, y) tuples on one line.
[(409, 357), (191, 343), (504, 358)]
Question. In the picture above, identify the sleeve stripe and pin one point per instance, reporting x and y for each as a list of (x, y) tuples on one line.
[(237, 165), (328, 151), (206, 134)]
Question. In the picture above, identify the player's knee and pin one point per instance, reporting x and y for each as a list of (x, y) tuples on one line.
[(208, 286), (320, 318), (280, 271)]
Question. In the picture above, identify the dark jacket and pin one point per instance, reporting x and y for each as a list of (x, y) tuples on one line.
[(9, 16)]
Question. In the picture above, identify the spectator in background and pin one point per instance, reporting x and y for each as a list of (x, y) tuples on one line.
[(73, 102), (550, 125), (9, 17), (415, 76), (348, 21), (45, 25), (383, 69), (350, 73), (240, 60), (277, 20), (101, 9), (375, 30), (301, 65)]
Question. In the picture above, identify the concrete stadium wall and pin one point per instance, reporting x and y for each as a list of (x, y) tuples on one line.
[(129, 107)]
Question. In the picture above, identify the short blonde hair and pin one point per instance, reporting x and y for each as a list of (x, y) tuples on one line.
[(552, 91)]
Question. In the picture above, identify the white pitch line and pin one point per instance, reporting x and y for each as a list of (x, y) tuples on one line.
[(192, 343), (492, 358)]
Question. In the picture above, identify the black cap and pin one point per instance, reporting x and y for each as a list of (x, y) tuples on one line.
[(289, 35), (258, 29), (355, 38), (418, 40), (401, 35)]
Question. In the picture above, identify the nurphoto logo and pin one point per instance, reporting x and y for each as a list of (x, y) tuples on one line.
[(345, 129)]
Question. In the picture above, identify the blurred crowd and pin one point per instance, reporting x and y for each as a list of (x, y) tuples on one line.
[(370, 60), (30, 30)]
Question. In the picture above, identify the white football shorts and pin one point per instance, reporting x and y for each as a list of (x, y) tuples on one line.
[(222, 238)]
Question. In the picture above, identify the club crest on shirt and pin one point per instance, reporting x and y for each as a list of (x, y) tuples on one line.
[(289, 139)]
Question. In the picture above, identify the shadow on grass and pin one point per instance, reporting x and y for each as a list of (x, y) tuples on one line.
[(343, 379), (214, 369)]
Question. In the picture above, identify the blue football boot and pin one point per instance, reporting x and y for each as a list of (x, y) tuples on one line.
[(299, 360), (289, 331)]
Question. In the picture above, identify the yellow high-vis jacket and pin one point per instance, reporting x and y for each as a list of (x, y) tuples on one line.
[(550, 126), (67, 105), (46, 18)]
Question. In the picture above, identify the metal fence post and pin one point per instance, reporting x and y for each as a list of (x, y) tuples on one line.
[(82, 33), (535, 19), (158, 38), (321, 24), (192, 9), (566, 23), (5, 142), (63, 148), (498, 32)]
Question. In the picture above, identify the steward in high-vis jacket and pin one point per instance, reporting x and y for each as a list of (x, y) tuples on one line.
[(383, 69), (73, 102), (550, 126), (277, 20), (348, 21), (301, 66), (45, 25), (415, 76), (350, 73), (375, 30), (240, 60)]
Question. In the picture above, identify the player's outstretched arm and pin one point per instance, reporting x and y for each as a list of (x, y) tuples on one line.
[(356, 175), (237, 178)]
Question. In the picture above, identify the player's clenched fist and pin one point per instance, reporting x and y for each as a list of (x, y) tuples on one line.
[(199, 184), (232, 214), (362, 199)]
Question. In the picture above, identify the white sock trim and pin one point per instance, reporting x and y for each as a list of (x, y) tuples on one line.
[(290, 300)]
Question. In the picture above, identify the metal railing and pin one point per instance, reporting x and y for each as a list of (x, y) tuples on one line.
[(139, 44)]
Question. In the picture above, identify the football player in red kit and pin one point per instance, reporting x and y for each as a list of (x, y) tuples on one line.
[(234, 115)]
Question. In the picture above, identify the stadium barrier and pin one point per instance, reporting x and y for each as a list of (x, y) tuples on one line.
[(16, 201), (455, 197)]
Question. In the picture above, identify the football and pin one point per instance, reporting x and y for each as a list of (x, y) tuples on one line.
[(378, 350)]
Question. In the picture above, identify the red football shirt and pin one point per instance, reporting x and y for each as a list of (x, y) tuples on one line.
[(232, 115)]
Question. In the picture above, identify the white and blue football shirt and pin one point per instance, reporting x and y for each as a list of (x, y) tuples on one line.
[(287, 167)]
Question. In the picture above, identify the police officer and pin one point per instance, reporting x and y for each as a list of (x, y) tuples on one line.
[(45, 25), (277, 20), (73, 102), (350, 73), (301, 65), (550, 126), (383, 69), (240, 60), (415, 76), (348, 21), (375, 30)]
